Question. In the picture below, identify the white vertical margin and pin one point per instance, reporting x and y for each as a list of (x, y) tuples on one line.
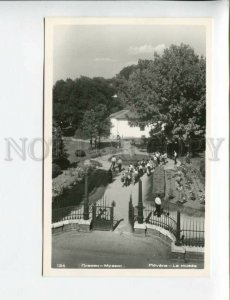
[(47, 163)]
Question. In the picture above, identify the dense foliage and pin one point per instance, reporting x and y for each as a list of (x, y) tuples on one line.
[(58, 149), (72, 98), (168, 91)]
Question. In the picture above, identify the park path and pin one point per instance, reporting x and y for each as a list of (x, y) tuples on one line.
[(121, 195)]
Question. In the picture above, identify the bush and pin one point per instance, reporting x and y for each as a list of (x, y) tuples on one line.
[(63, 163), (95, 163), (170, 193), (80, 134), (159, 183), (95, 154), (80, 153), (56, 170)]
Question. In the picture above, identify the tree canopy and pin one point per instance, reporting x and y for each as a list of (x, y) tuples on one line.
[(168, 91), (72, 98)]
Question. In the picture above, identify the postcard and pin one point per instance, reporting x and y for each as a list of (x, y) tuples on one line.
[(126, 115)]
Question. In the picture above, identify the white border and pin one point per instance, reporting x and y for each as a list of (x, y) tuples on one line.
[(22, 53), (50, 23)]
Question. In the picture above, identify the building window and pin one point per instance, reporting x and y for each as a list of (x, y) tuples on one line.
[(142, 127)]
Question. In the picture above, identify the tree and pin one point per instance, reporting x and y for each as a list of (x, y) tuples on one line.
[(59, 154), (72, 98), (89, 125), (103, 123), (169, 90)]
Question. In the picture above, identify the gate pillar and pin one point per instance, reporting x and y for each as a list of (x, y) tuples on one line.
[(111, 216), (86, 200), (140, 207), (178, 242)]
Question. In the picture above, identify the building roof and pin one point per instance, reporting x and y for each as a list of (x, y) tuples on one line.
[(123, 114)]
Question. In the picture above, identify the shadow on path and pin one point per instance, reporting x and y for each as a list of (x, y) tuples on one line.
[(117, 223)]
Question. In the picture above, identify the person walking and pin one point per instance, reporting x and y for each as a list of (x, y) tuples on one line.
[(188, 158), (110, 176), (119, 163), (175, 157), (165, 158), (158, 157), (113, 160), (158, 209), (148, 169)]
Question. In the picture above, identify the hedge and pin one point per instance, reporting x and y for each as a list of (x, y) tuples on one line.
[(159, 182)]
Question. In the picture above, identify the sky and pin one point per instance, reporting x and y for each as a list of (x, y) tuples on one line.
[(103, 50)]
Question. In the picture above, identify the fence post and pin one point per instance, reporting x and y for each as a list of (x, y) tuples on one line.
[(111, 216), (177, 243), (140, 207), (86, 200), (131, 211), (93, 213)]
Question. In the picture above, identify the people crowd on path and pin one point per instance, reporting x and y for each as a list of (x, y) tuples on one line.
[(136, 170)]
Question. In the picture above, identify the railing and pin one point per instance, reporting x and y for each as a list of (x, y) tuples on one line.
[(190, 232), (164, 221), (193, 234), (68, 213)]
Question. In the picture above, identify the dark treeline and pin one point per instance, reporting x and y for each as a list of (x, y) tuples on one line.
[(72, 99)]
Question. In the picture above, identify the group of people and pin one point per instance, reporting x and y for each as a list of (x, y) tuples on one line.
[(135, 171), (139, 168)]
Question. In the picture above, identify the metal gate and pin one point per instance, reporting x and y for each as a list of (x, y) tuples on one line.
[(102, 217)]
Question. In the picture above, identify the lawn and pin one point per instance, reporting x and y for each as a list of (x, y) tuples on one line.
[(71, 145)]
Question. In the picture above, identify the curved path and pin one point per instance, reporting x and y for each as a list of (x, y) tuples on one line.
[(121, 195)]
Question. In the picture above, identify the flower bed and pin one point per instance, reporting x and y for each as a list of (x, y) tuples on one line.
[(185, 185), (193, 186), (170, 185), (67, 180)]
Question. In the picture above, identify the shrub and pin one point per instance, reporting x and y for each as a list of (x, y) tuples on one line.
[(80, 134), (94, 155), (63, 163), (170, 193), (56, 170), (95, 163), (80, 153), (159, 182)]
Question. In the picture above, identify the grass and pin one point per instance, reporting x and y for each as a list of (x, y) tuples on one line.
[(72, 145)]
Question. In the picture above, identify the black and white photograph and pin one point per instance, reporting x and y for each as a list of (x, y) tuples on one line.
[(125, 110), (114, 150)]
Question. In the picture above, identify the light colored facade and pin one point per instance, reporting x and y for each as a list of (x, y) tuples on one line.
[(121, 126)]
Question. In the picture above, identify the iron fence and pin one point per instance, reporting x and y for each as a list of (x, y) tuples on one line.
[(68, 213), (164, 220), (188, 231), (193, 233)]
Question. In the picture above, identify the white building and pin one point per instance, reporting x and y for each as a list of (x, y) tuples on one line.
[(121, 126)]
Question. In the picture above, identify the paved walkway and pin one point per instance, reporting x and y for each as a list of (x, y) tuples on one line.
[(170, 164), (73, 249), (121, 195)]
